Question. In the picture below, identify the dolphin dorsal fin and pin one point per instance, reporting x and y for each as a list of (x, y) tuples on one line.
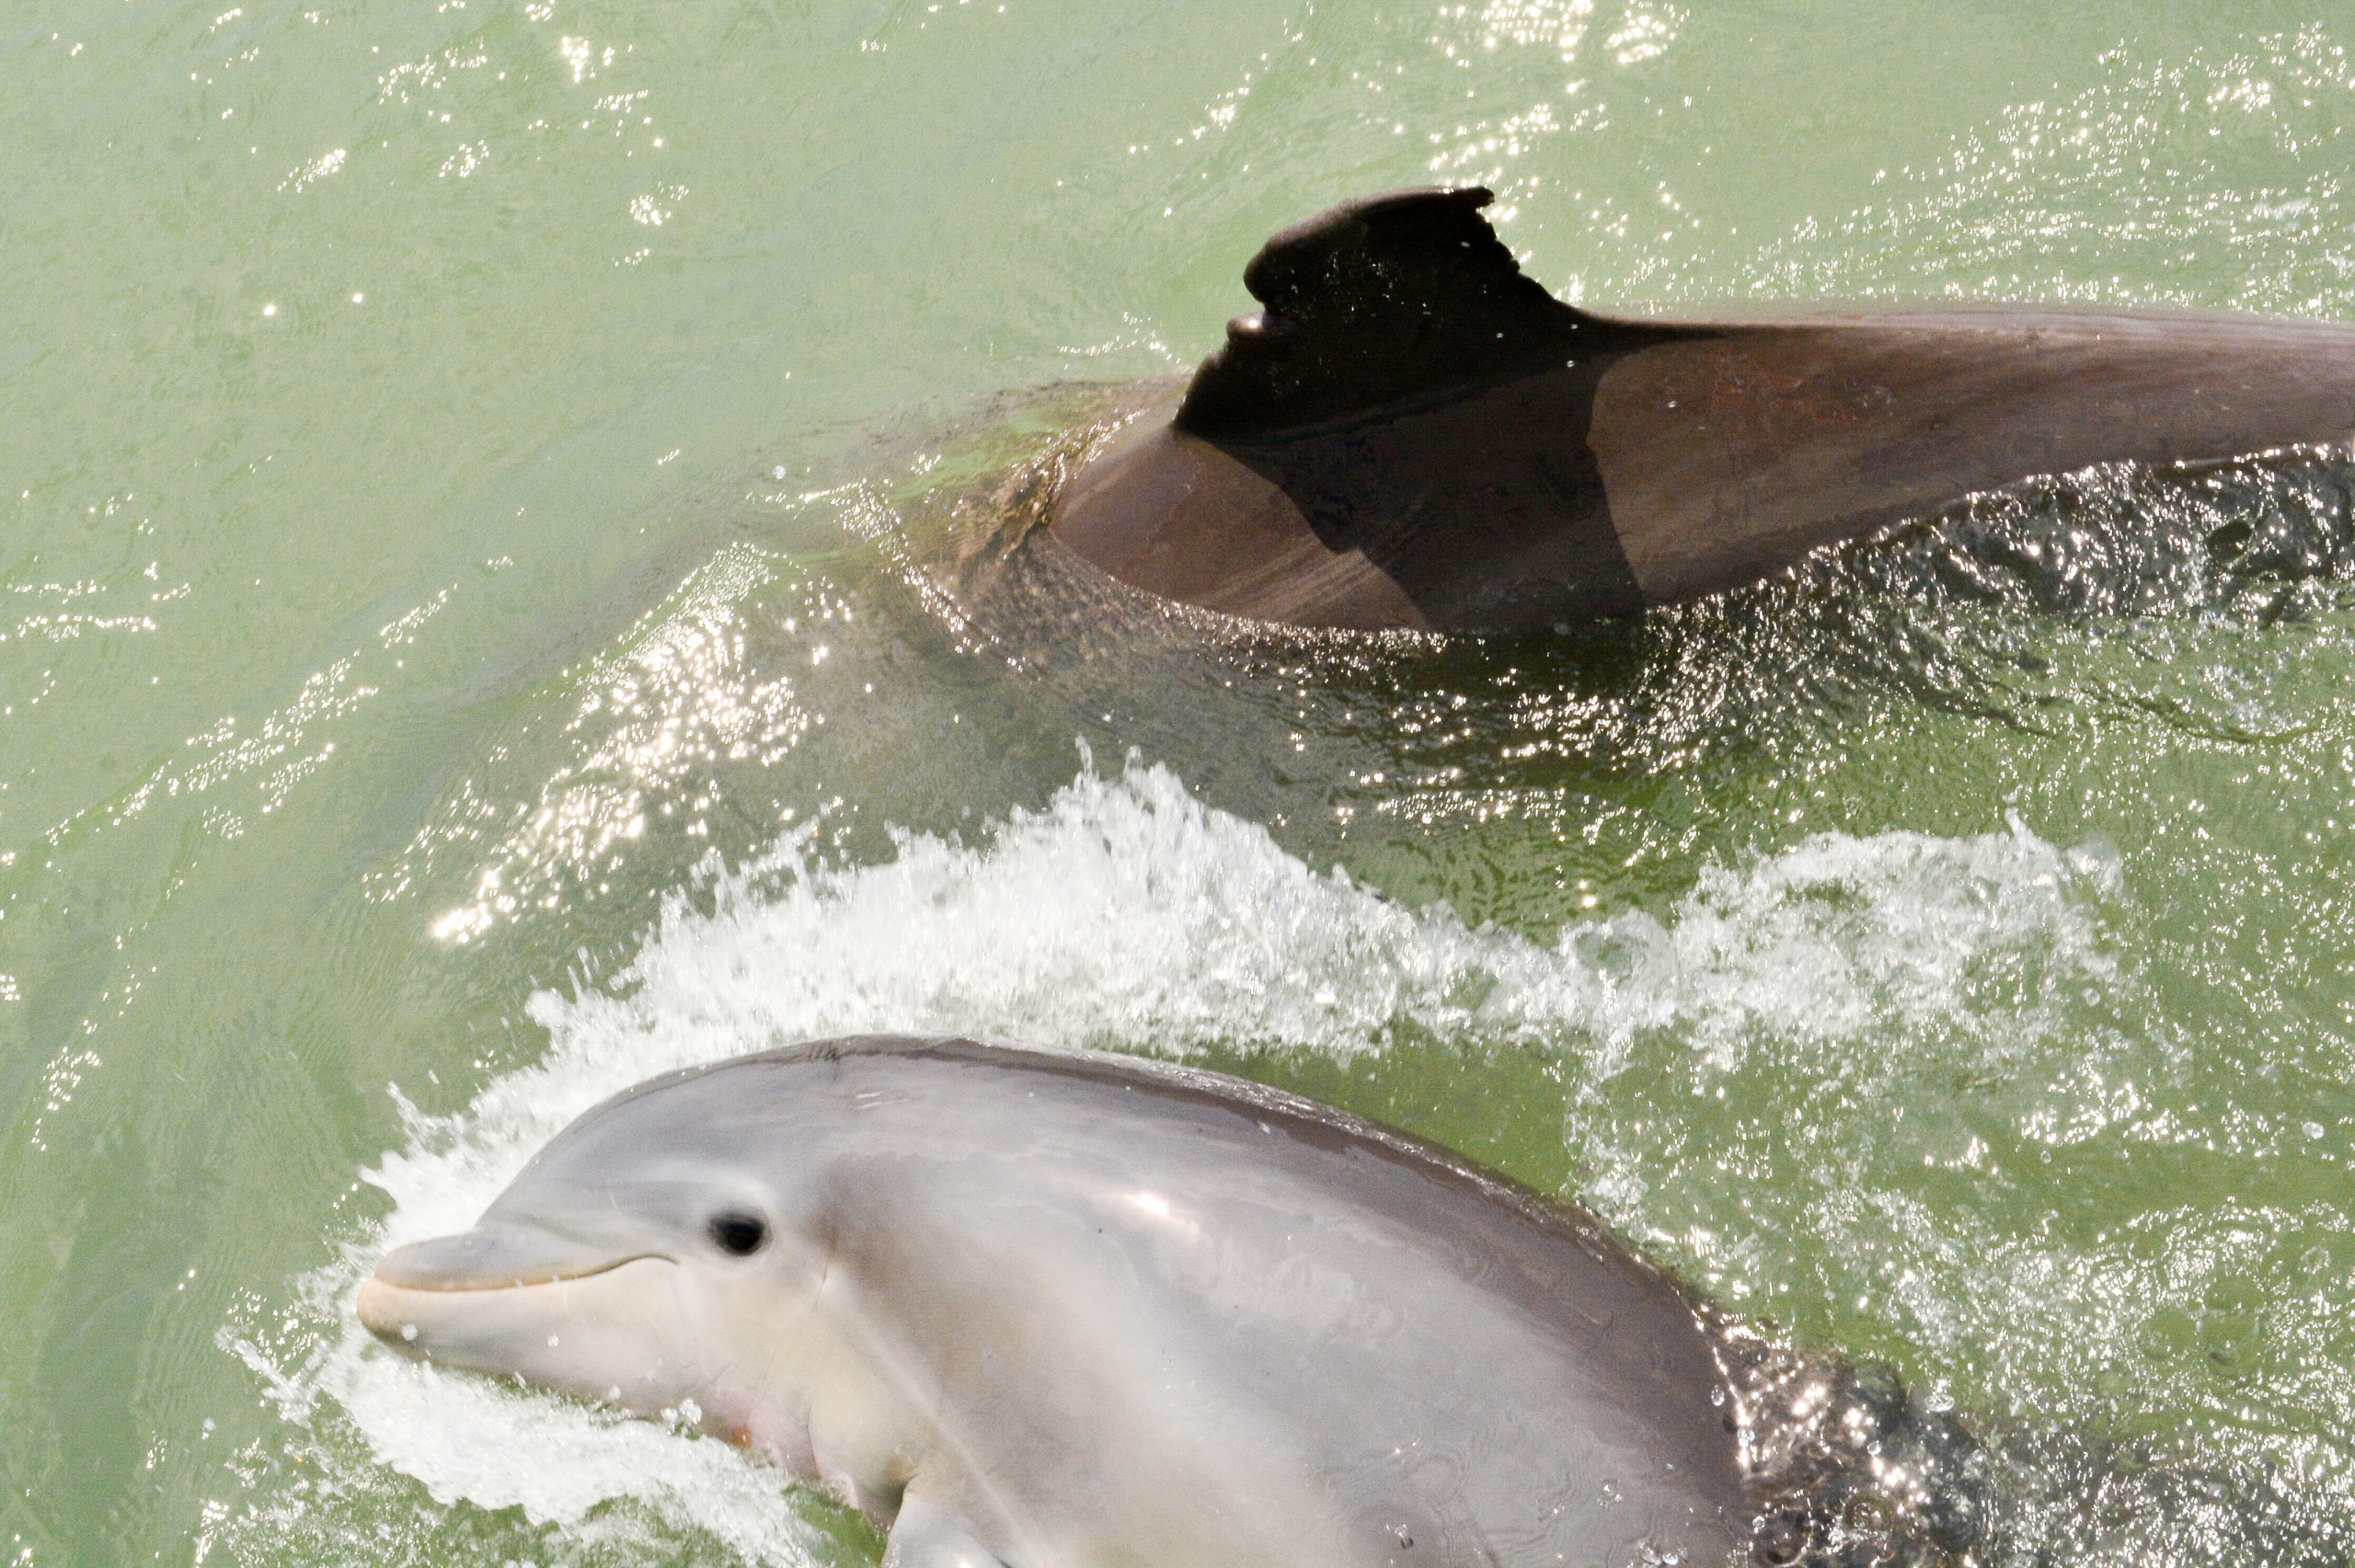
[(1387, 299)]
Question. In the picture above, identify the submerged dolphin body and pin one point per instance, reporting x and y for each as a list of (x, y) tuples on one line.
[(1068, 1311), (1413, 434)]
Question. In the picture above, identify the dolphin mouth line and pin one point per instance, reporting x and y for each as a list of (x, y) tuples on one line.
[(394, 1309), (455, 1286)]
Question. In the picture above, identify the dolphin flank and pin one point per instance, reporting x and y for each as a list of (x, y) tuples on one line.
[(1048, 1311), (1411, 434)]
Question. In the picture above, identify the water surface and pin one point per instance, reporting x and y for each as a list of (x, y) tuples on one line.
[(463, 648)]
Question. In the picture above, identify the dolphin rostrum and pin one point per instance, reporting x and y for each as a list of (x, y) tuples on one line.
[(1048, 1310), (1412, 434)]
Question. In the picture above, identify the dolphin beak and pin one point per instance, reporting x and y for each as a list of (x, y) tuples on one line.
[(384, 1311), (423, 1281), (600, 1322), (497, 1257)]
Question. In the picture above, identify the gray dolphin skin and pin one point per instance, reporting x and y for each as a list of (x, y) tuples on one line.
[(1052, 1310), (1413, 435)]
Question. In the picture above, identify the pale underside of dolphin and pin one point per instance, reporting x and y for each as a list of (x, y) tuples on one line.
[(1412, 434), (1076, 1311)]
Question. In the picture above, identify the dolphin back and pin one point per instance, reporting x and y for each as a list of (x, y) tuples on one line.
[(1411, 434)]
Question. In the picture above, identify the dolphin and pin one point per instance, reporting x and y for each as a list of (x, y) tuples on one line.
[(1411, 434), (1035, 1309)]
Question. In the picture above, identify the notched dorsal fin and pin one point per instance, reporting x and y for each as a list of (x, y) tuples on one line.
[(1389, 297)]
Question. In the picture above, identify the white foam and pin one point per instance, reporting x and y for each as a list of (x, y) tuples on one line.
[(502, 1448), (1128, 915)]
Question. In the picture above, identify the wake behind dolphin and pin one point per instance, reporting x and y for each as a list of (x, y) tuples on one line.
[(1046, 1310)]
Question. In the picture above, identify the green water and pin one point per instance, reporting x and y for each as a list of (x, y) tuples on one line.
[(452, 488)]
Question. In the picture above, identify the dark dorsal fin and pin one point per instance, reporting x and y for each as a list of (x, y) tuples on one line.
[(1386, 298)]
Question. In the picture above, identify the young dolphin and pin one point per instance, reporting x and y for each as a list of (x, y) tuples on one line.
[(1413, 434), (1048, 1310)]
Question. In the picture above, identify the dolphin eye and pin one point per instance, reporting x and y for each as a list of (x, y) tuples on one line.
[(740, 1234)]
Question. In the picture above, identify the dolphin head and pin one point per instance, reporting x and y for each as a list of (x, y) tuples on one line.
[(631, 1261)]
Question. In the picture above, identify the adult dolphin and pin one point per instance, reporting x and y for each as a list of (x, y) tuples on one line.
[(1054, 1311), (1412, 434)]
